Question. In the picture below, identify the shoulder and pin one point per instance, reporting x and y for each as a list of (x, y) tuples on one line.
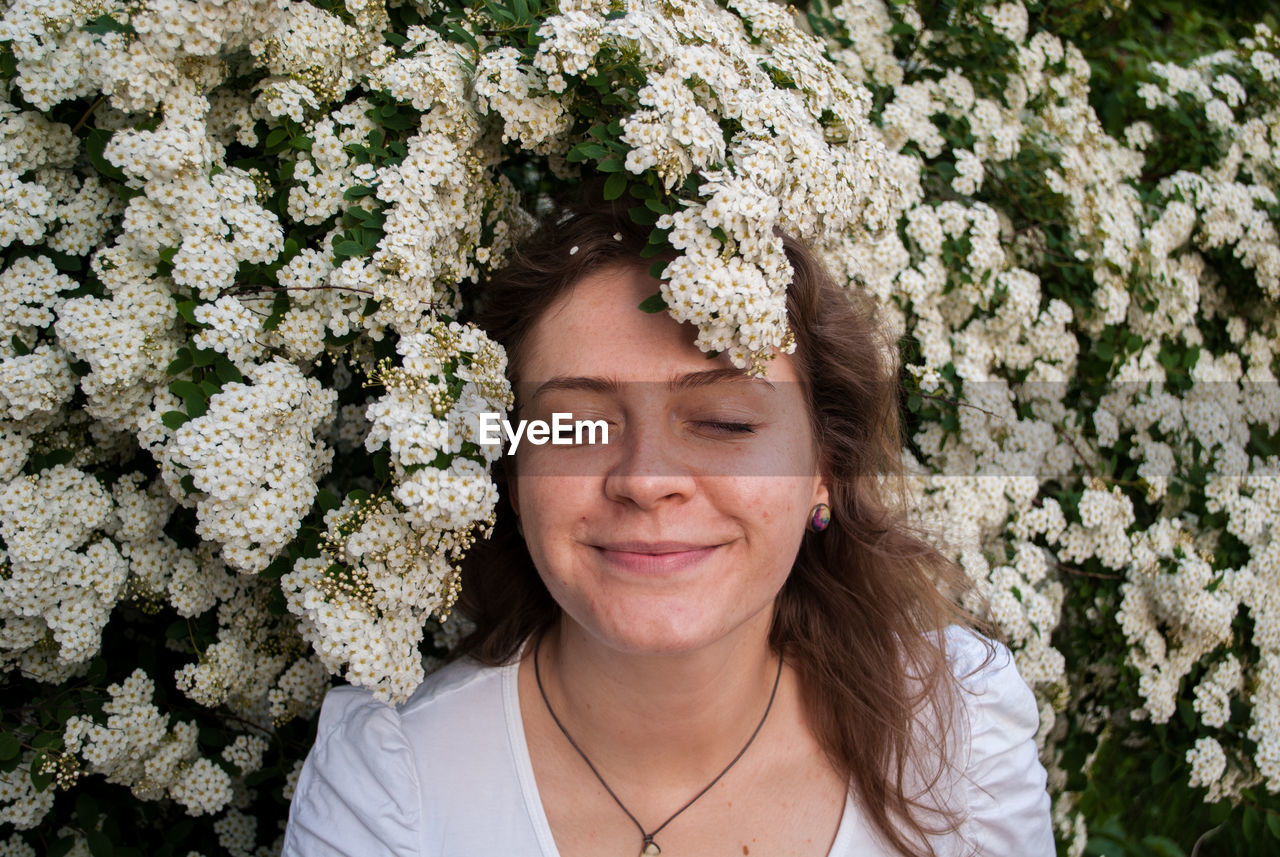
[(360, 790), (354, 714), (1006, 805), (988, 675)]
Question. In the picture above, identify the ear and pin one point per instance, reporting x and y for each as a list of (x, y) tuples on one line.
[(820, 492)]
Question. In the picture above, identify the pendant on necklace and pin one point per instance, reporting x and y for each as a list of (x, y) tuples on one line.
[(651, 849)]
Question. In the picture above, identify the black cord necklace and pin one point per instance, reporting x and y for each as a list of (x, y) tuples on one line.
[(649, 848)]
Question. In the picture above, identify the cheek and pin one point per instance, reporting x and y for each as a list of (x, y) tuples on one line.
[(551, 511), (775, 502)]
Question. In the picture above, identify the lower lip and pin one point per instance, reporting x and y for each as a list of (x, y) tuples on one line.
[(649, 563)]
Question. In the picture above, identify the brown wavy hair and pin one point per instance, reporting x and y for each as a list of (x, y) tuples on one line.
[(855, 615)]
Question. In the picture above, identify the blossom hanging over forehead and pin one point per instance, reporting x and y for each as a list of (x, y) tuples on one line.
[(739, 127)]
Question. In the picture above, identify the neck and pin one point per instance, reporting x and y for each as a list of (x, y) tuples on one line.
[(676, 718)]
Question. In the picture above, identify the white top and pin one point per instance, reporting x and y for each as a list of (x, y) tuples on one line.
[(448, 772)]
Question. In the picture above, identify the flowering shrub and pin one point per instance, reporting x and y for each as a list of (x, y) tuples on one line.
[(238, 388)]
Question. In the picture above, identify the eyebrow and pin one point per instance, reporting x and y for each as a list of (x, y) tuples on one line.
[(687, 381)]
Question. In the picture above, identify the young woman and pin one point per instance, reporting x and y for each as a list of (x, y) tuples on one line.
[(711, 636)]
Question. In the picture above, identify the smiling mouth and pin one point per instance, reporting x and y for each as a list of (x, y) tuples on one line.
[(653, 557)]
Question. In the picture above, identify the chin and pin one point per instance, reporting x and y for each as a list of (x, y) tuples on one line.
[(659, 632)]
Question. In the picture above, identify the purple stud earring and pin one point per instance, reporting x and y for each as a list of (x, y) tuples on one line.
[(819, 518)]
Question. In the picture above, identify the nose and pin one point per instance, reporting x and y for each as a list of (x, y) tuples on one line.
[(648, 471)]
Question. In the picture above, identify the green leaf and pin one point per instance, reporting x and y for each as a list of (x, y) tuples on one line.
[(95, 145), (181, 363), (276, 138), (99, 844), (40, 778), (173, 420), (1104, 848), (587, 151), (641, 215), (104, 24), (186, 390), (1273, 824), (226, 370), (1252, 825), (65, 262), (1187, 714), (357, 191), (498, 13), (1163, 846), (463, 36), (1160, 769), (381, 465), (52, 459), (87, 811), (327, 500), (187, 309), (279, 307), (655, 302), (615, 186), (9, 745), (400, 121), (347, 249)]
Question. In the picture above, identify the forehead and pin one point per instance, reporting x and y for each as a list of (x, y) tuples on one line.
[(596, 329)]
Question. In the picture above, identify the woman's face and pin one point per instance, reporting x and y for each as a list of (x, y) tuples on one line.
[(680, 531)]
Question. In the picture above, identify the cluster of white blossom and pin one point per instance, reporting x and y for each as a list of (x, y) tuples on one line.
[(313, 57), (392, 561), (62, 579), (21, 805), (136, 747), (802, 157), (253, 461), (962, 285)]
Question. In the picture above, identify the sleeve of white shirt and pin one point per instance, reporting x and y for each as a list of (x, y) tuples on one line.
[(1008, 808), (358, 793)]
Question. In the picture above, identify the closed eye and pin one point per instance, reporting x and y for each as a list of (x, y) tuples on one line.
[(722, 427)]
